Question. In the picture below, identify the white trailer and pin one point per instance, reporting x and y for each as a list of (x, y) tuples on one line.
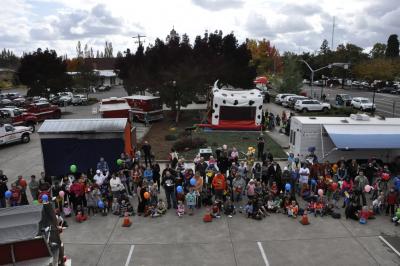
[(354, 137)]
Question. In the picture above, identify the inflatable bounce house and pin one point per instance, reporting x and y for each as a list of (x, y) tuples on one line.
[(230, 109)]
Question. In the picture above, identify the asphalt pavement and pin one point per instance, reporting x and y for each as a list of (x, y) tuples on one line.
[(386, 104)]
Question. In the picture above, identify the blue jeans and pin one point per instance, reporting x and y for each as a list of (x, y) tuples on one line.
[(170, 195)]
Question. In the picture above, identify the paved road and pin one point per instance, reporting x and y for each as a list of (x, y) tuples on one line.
[(384, 101)]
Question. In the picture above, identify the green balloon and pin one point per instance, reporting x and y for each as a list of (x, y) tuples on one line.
[(119, 161), (35, 202), (73, 168)]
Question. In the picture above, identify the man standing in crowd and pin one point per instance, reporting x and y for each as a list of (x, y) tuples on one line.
[(360, 182), (34, 187), (103, 165), (3, 189), (168, 182), (260, 147), (146, 148)]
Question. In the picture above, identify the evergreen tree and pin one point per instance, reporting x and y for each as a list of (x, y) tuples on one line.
[(291, 78), (79, 52), (392, 49)]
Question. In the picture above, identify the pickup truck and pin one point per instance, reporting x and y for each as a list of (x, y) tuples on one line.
[(44, 110), (11, 134), (17, 117)]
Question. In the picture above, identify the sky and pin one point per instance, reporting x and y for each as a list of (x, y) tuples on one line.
[(291, 25)]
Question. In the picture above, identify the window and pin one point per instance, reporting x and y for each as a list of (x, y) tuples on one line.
[(290, 136), (9, 128)]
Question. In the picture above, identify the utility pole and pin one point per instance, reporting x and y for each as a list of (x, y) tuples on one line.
[(138, 39), (333, 32)]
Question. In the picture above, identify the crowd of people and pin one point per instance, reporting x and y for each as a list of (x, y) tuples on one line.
[(223, 185)]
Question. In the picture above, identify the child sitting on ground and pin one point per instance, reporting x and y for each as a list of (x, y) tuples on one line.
[(80, 216), (67, 210), (248, 208), (229, 208), (180, 211), (161, 208), (274, 189), (293, 209), (319, 208), (286, 205), (270, 205)]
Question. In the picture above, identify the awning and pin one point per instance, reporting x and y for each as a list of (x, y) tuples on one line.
[(364, 136)]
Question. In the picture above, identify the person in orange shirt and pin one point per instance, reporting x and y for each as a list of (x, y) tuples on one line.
[(219, 185)]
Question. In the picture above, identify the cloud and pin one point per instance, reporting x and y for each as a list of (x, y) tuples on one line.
[(79, 24), (217, 5), (298, 9), (257, 26)]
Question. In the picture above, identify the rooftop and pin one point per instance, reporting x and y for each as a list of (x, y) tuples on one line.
[(340, 120), (97, 125)]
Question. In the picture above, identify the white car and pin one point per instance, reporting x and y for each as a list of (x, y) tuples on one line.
[(79, 99), (308, 105), (286, 99), (10, 134), (279, 98), (364, 104)]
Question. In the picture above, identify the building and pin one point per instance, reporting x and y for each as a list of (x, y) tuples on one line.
[(354, 137), (83, 141)]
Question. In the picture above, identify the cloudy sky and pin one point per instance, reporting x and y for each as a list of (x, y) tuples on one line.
[(291, 25)]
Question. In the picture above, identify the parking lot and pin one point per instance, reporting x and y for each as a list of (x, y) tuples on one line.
[(169, 240), (384, 101)]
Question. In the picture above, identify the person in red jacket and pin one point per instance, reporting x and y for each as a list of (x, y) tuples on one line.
[(77, 192), (391, 201), (219, 185)]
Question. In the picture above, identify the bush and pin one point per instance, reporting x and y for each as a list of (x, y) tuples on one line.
[(183, 144), (171, 137)]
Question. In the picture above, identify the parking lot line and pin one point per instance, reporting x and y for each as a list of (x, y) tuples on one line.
[(263, 253), (128, 260), (389, 245)]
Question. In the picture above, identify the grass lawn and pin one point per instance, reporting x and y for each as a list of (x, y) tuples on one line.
[(215, 139), (238, 139)]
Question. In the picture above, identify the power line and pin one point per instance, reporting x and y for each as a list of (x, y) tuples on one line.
[(138, 39)]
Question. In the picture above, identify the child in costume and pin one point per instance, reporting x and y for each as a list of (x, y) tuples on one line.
[(161, 208), (293, 209), (180, 211), (191, 200)]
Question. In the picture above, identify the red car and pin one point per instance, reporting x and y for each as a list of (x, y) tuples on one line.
[(44, 111), (18, 117)]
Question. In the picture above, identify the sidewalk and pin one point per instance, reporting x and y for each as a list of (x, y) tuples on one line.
[(280, 138)]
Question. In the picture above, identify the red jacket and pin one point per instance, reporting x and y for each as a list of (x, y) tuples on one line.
[(219, 182), (77, 189)]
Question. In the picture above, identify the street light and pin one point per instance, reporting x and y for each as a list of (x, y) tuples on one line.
[(344, 65)]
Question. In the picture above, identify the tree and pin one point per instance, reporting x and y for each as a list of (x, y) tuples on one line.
[(108, 50), (392, 49), (79, 52), (8, 59), (87, 77), (42, 70), (119, 54), (291, 76), (324, 49), (378, 50), (377, 69), (265, 57), (97, 54), (86, 51)]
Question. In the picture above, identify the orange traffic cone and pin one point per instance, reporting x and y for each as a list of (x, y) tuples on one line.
[(304, 219), (126, 222)]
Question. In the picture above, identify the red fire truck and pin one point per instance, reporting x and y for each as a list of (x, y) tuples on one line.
[(143, 105), (44, 110), (114, 108), (17, 117)]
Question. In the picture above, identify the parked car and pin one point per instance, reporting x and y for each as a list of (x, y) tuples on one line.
[(343, 99), (294, 99), (103, 88), (17, 117), (200, 98), (364, 104), (385, 90), (79, 99), (318, 83), (11, 134), (286, 99), (307, 105), (279, 98), (44, 111), (395, 91), (5, 102)]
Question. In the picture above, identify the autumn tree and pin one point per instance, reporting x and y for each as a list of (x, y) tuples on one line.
[(265, 57)]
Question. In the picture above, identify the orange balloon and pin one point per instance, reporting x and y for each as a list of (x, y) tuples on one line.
[(146, 195)]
